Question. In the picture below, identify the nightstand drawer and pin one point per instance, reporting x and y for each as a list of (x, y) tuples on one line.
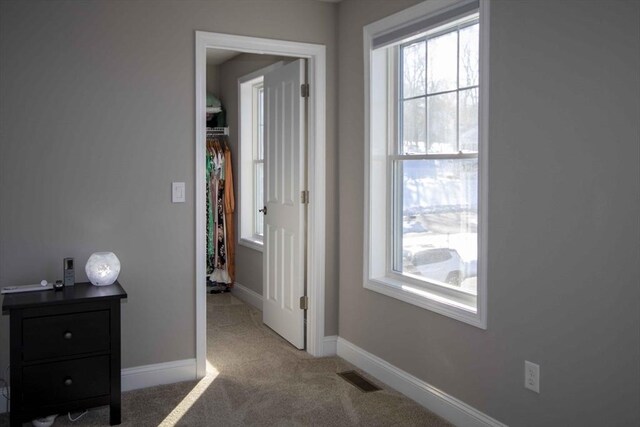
[(64, 335), (51, 383)]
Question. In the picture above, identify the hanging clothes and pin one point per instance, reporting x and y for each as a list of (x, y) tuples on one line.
[(220, 208), (229, 208)]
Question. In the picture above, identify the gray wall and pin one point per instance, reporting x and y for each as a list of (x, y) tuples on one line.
[(563, 221), (97, 119), (248, 261), (213, 80)]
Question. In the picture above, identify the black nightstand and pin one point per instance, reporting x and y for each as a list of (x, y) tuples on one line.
[(65, 350)]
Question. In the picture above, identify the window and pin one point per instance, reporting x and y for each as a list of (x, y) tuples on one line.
[(258, 159), (424, 213), (251, 159)]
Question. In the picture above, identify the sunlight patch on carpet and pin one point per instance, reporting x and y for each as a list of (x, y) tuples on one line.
[(191, 398)]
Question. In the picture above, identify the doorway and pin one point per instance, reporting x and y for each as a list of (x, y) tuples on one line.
[(315, 258)]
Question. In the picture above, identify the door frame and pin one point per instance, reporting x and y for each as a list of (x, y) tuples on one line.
[(316, 158)]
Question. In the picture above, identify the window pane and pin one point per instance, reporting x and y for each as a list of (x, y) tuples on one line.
[(440, 220), (413, 68), (260, 123), (441, 124), (469, 56), (442, 73), (259, 197), (468, 123), (413, 127)]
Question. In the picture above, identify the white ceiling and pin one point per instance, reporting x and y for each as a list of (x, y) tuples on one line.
[(218, 56)]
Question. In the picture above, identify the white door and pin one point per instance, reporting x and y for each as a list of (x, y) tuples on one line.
[(284, 221)]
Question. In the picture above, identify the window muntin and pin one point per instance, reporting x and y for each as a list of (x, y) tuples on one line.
[(439, 91), (434, 164)]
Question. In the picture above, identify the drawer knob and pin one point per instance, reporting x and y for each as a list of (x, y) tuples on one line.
[(68, 381), (68, 335)]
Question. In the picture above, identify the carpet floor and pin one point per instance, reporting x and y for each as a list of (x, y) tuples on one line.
[(256, 378)]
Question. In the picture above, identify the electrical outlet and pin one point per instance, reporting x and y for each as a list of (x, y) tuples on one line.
[(531, 376)]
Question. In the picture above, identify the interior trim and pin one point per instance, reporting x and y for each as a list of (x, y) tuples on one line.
[(330, 346), (432, 398), (158, 373), (316, 181), (247, 295)]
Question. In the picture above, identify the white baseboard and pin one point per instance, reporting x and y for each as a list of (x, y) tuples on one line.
[(144, 376), (330, 345), (255, 299), (4, 403), (157, 374), (247, 295), (435, 400)]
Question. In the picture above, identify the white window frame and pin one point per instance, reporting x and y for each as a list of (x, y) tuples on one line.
[(247, 151), (380, 132)]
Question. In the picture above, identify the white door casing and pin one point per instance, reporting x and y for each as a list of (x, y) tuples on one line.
[(316, 125), (284, 221)]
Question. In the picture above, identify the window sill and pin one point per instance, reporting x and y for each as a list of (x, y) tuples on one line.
[(254, 244), (438, 301)]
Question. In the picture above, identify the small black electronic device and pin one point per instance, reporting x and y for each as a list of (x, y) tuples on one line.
[(58, 286), (68, 272)]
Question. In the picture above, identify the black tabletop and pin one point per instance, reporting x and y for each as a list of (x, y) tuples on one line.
[(79, 292)]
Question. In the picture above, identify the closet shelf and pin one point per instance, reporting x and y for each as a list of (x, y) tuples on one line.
[(218, 131)]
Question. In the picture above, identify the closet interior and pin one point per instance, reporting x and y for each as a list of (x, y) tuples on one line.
[(235, 105), (220, 198)]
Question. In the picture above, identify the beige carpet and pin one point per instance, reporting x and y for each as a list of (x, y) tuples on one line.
[(258, 379)]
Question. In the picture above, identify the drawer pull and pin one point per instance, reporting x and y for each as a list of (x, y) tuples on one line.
[(68, 381), (68, 335)]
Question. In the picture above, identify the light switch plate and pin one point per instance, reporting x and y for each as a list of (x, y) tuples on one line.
[(177, 192)]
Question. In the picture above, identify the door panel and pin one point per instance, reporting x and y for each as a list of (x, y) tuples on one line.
[(284, 246)]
